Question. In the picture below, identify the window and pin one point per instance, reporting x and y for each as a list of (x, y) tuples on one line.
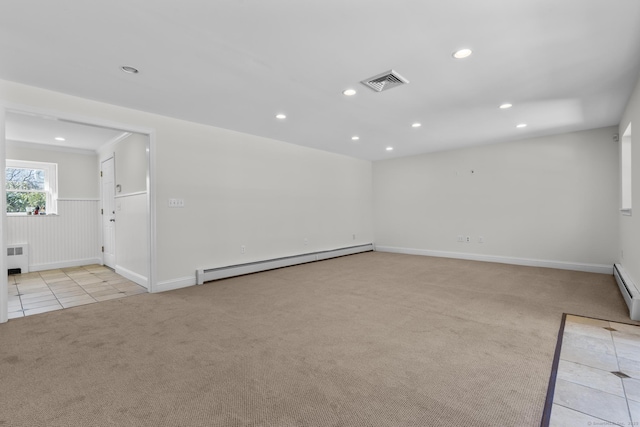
[(625, 169), (31, 187)]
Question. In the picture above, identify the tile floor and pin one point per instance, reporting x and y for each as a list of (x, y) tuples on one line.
[(598, 380), (43, 291)]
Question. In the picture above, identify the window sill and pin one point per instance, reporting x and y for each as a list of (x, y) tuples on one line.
[(626, 212), (20, 214)]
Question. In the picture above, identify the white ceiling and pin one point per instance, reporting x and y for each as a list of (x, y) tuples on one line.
[(44, 130), (564, 65)]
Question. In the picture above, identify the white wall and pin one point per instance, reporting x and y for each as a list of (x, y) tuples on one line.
[(268, 196), (72, 237), (132, 252), (131, 164), (238, 190), (131, 204), (629, 254), (68, 239), (553, 198), (77, 172)]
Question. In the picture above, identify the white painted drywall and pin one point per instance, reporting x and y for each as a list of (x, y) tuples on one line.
[(68, 239), (239, 190), (77, 172), (132, 253), (629, 254), (131, 164), (553, 198)]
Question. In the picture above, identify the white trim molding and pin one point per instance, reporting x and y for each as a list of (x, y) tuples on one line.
[(133, 276), (65, 264), (179, 283), (529, 262)]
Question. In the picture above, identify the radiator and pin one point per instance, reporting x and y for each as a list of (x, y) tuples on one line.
[(18, 258), (628, 290), (203, 275)]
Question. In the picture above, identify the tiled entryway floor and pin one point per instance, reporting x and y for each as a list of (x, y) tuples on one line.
[(43, 291), (598, 379)]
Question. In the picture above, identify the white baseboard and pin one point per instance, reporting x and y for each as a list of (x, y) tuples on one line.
[(206, 275), (65, 264), (562, 265), (133, 276), (170, 285)]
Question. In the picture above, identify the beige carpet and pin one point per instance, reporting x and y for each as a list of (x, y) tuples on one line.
[(367, 340)]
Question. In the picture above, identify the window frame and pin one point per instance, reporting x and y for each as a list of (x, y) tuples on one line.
[(50, 183), (625, 172)]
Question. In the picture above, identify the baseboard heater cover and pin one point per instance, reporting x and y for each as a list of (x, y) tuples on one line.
[(207, 275), (18, 258), (629, 291)]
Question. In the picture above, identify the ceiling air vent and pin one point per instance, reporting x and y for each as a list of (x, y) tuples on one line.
[(385, 81)]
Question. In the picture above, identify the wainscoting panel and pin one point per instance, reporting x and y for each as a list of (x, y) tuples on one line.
[(70, 238)]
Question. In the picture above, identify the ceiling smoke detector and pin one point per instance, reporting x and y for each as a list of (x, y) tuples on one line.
[(385, 81)]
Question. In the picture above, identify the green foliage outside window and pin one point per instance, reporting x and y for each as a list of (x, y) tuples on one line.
[(25, 189), (19, 202)]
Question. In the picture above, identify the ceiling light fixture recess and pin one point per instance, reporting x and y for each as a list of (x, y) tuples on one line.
[(389, 148), (129, 70), (462, 53), (505, 106), (355, 138), (281, 116), (59, 138), (521, 125), (349, 92), (416, 125), (384, 81)]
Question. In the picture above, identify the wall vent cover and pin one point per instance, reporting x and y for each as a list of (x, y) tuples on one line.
[(385, 81)]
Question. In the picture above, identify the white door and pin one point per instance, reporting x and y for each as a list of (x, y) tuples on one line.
[(108, 213)]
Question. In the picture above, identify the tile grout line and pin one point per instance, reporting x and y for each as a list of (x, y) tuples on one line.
[(77, 284), (590, 415), (59, 305), (624, 389)]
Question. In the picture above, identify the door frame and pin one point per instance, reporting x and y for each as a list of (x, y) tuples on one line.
[(101, 162), (85, 120)]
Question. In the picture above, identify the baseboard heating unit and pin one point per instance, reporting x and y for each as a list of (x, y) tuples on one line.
[(203, 275), (628, 290)]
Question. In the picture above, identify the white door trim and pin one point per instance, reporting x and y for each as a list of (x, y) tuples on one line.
[(108, 241), (88, 120)]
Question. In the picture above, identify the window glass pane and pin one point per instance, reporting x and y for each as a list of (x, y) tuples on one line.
[(25, 179), (20, 201)]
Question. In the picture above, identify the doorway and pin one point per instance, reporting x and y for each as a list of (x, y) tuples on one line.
[(141, 200)]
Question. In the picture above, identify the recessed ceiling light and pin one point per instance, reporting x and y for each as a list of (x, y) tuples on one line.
[(349, 92), (462, 53), (281, 116), (505, 106), (521, 125), (416, 125), (59, 138), (129, 70), (389, 148), (355, 138)]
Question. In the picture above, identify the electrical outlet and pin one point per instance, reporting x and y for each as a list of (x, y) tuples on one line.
[(468, 239), (480, 239), (176, 203), (460, 239), (242, 249)]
